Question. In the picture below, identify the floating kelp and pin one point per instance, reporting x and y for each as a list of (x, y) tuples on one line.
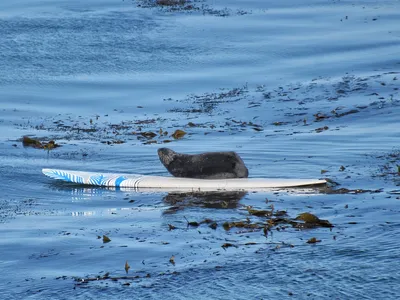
[(349, 112), (113, 142), (150, 142), (171, 2), (313, 240), (308, 218), (280, 123), (280, 213), (310, 221), (209, 102), (192, 223), (321, 129), (172, 260), (227, 245), (391, 166), (148, 134), (127, 267), (178, 134), (266, 229), (265, 213), (213, 225), (161, 132), (275, 220), (320, 116), (329, 190), (277, 245), (106, 239), (207, 221), (107, 277), (259, 213), (146, 121), (240, 224), (35, 143), (215, 200), (335, 114)]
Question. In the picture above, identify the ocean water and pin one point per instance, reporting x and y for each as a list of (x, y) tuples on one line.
[(299, 90)]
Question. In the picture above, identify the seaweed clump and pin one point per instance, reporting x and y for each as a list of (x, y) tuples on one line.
[(35, 143)]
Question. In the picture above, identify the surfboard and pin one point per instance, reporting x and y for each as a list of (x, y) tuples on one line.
[(138, 181)]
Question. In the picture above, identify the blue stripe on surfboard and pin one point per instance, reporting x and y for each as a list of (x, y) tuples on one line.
[(119, 180), (58, 174), (97, 179)]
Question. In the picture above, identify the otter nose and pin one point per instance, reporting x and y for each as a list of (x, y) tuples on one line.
[(163, 151)]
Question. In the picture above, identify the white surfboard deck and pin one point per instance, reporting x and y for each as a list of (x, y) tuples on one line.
[(138, 181)]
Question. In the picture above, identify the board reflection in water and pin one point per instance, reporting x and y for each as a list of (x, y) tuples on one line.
[(218, 200)]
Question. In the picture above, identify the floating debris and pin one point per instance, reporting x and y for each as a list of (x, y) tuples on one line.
[(171, 2), (280, 123), (35, 143), (113, 142), (265, 230), (194, 223), (321, 129), (106, 277), (172, 260), (213, 225), (178, 134), (313, 240), (351, 191), (148, 134), (320, 116), (127, 267), (106, 239), (227, 245), (259, 213), (311, 221), (239, 224)]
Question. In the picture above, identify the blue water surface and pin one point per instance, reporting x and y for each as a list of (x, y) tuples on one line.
[(296, 88)]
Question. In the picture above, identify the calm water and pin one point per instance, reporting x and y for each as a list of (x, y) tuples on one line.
[(294, 88)]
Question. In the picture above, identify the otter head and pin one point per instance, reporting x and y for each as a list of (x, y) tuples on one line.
[(166, 156)]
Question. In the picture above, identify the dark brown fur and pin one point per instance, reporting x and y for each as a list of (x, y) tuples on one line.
[(209, 165)]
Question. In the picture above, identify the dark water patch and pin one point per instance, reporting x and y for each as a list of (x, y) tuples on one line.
[(389, 168), (221, 200), (191, 6), (209, 102), (11, 208)]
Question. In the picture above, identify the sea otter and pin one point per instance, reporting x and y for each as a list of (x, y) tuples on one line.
[(208, 165)]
